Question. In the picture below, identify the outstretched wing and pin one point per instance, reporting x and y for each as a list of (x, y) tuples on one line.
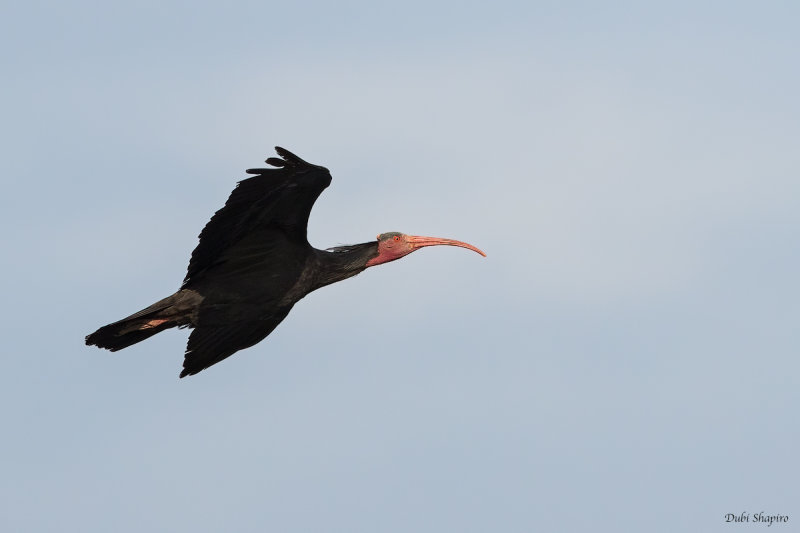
[(278, 198), (208, 345)]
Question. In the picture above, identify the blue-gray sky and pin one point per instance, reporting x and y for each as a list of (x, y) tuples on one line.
[(625, 358)]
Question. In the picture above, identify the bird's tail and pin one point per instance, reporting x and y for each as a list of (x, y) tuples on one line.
[(164, 314)]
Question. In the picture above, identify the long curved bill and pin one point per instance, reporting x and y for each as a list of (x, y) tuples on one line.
[(419, 242)]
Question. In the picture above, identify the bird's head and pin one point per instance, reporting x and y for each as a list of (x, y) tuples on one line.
[(394, 245)]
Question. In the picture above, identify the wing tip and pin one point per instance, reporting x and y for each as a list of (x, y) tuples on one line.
[(289, 158), (286, 159), (188, 370)]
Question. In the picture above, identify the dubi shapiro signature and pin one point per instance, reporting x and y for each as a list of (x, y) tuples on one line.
[(758, 518)]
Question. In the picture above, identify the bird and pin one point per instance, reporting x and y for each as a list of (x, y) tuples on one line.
[(253, 263)]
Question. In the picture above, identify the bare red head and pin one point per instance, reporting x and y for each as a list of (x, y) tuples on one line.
[(394, 245)]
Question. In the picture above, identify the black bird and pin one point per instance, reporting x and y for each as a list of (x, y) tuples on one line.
[(252, 264)]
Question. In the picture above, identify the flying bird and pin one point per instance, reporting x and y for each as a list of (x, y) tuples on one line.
[(253, 263)]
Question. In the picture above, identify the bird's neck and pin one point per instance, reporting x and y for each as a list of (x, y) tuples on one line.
[(343, 262)]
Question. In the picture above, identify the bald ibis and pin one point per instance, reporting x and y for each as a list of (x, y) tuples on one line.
[(252, 264)]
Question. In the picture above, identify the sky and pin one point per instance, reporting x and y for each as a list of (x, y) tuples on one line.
[(624, 359)]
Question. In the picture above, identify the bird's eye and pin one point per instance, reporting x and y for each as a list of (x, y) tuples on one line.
[(397, 238)]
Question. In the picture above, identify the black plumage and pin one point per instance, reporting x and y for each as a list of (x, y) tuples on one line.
[(252, 264)]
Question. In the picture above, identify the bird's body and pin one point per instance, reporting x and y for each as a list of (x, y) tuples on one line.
[(252, 264)]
